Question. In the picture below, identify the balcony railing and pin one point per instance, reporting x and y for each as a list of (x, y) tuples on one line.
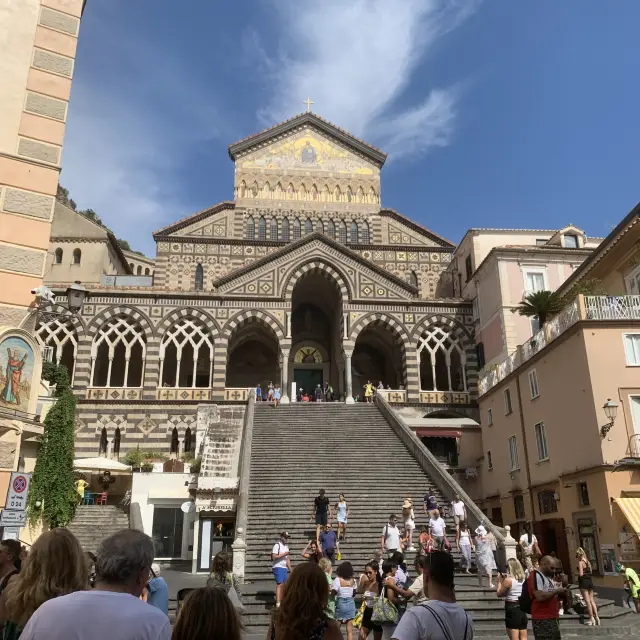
[(582, 308)]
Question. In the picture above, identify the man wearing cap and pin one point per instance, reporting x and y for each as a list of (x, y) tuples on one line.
[(281, 564), (632, 582)]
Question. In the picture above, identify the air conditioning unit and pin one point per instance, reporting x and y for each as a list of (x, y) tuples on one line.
[(47, 354)]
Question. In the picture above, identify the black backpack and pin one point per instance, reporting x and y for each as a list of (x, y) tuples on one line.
[(526, 597)]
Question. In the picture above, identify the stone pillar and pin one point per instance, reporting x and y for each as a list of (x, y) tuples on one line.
[(219, 368), (287, 324), (284, 397), (239, 547), (412, 372), (347, 377), (510, 544)]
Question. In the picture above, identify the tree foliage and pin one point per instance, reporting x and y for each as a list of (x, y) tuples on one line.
[(543, 304), (52, 484)]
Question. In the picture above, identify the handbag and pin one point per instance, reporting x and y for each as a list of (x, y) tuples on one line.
[(357, 621), (384, 611)]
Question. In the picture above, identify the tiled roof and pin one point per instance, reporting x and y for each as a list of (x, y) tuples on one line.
[(308, 118), (196, 217)]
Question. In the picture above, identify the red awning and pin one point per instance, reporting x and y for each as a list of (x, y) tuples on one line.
[(438, 433)]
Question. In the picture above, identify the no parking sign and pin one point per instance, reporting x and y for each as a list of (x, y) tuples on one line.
[(18, 491)]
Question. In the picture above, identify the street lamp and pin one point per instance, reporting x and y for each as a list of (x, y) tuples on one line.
[(76, 295), (610, 409)]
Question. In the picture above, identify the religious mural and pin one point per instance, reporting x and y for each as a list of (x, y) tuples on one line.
[(308, 355), (16, 373), (308, 151)]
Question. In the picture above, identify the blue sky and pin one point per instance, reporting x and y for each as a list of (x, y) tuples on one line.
[(495, 113)]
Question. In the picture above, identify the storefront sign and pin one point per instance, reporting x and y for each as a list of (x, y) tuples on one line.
[(608, 553)]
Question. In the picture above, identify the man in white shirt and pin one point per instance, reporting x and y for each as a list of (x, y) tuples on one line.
[(281, 564), (440, 618), (459, 511), (390, 541), (438, 526), (111, 610)]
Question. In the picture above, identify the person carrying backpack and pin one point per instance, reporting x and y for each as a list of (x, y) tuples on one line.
[(390, 541), (540, 599)]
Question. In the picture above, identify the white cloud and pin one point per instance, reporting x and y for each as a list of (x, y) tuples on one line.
[(355, 59)]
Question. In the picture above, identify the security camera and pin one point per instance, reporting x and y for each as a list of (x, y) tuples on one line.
[(44, 293)]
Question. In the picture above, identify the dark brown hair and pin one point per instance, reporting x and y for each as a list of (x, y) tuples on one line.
[(207, 614), (304, 603)]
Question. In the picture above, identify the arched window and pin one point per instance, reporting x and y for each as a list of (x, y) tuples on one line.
[(373, 196), (285, 230), (296, 229), (254, 190), (146, 272), (319, 227), (186, 355), (131, 266), (303, 193), (116, 444), (251, 228), (104, 443), (77, 256), (326, 194), (314, 192), (118, 354), (273, 231), (412, 278), (353, 235), (337, 195), (57, 258), (308, 227), (291, 192), (199, 277), (175, 441), (139, 270), (262, 228), (365, 237), (60, 334), (189, 441), (278, 193), (349, 194), (360, 195), (342, 232), (266, 191), (331, 229), (442, 361), (243, 189)]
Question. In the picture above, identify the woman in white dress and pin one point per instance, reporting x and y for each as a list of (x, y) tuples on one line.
[(342, 515), (484, 556)]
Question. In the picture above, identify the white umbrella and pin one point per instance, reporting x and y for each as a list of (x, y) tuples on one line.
[(100, 464)]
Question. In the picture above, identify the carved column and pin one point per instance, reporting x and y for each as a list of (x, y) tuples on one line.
[(284, 369), (412, 372), (347, 375)]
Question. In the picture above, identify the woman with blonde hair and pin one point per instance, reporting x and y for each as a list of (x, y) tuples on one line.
[(585, 584), (510, 588), (55, 566), (207, 613), (302, 614)]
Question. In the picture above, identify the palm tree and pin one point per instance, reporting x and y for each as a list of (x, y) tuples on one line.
[(542, 304)]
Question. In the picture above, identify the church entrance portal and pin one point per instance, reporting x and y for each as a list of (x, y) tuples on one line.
[(307, 380)]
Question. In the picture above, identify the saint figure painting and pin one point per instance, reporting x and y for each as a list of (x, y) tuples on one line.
[(16, 372)]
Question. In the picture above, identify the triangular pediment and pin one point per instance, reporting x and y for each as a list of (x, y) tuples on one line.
[(270, 276), (210, 222)]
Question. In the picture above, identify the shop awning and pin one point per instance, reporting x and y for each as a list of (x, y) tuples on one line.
[(100, 464), (438, 433), (631, 509)]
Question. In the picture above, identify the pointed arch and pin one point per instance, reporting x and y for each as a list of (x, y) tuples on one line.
[(60, 334), (175, 442), (365, 236), (117, 437), (291, 192), (199, 280), (349, 194), (266, 191), (189, 441), (273, 230), (360, 195), (342, 232), (303, 192), (278, 192), (326, 194), (262, 228), (337, 195), (104, 443), (285, 230), (353, 232), (373, 196), (314, 193), (242, 190), (412, 278), (296, 229), (327, 270), (308, 227), (331, 229), (442, 360), (254, 190), (250, 232)]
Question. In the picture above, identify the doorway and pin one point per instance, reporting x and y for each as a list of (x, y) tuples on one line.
[(167, 531), (307, 379)]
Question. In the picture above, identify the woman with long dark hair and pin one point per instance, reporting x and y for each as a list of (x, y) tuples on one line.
[(529, 544), (585, 584), (344, 590), (370, 586), (206, 614), (389, 570), (302, 614)]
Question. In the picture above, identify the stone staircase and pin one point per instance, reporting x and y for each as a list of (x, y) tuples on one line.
[(93, 523), (300, 448)]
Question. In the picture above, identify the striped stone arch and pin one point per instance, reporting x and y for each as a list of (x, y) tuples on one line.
[(107, 314), (253, 315), (458, 331), (326, 270), (73, 319), (188, 312), (381, 319)]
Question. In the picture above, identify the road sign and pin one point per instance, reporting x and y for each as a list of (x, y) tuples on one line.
[(11, 533), (18, 491), (13, 518)]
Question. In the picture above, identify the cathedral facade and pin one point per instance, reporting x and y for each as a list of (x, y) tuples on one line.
[(303, 278)]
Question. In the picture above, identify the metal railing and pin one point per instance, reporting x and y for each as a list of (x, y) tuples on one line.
[(582, 308)]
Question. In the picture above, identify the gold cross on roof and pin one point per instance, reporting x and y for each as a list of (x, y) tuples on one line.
[(308, 102)]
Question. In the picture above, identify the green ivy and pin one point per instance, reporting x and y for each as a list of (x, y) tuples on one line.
[(52, 484)]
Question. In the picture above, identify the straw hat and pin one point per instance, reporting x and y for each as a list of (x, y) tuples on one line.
[(407, 503)]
